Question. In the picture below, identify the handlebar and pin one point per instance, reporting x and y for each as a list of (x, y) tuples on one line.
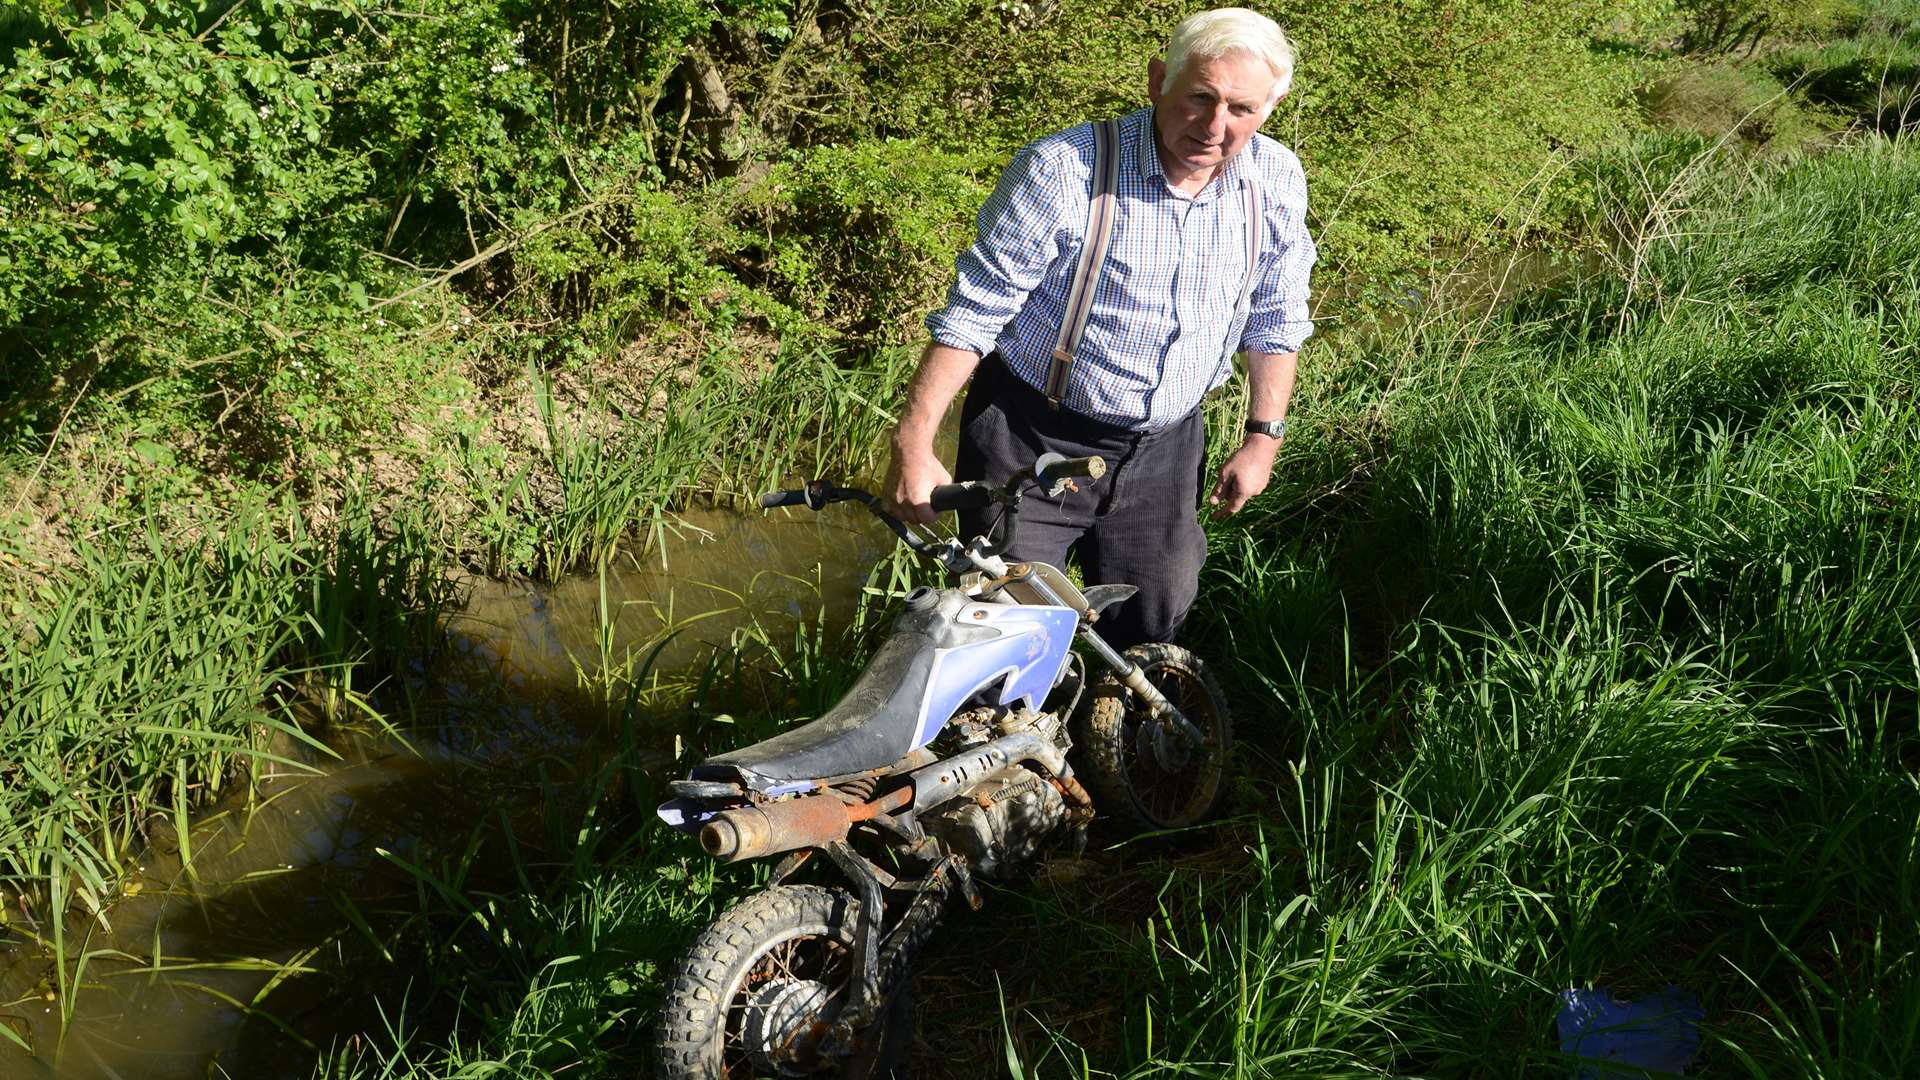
[(967, 495), (1051, 471)]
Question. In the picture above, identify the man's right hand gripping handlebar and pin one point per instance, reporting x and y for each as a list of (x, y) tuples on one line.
[(912, 476), (919, 489)]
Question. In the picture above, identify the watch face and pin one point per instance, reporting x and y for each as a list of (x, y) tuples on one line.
[(1273, 428)]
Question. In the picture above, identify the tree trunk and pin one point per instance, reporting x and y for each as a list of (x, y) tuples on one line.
[(717, 116)]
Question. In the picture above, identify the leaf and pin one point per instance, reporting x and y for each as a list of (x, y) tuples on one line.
[(153, 453)]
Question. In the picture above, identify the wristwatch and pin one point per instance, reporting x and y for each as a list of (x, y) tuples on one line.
[(1271, 428)]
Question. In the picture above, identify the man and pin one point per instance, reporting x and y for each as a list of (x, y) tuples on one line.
[(1175, 299)]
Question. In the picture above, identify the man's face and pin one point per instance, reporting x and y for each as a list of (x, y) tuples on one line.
[(1210, 111)]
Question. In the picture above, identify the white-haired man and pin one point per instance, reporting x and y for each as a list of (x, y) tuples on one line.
[(1208, 255)]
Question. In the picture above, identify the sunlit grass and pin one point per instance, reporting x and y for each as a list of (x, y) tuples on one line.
[(162, 671), (726, 431)]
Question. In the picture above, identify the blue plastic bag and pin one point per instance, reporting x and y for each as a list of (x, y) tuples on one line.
[(1614, 1039)]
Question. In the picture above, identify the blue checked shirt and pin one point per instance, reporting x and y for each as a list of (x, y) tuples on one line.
[(1163, 330)]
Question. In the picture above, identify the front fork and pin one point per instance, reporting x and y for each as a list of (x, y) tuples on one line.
[(1166, 716)]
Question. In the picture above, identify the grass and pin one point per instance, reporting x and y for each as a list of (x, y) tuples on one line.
[(156, 674), (607, 474), (1872, 74)]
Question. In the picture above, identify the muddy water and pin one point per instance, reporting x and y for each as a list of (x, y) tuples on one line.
[(236, 968), (1460, 283), (716, 575)]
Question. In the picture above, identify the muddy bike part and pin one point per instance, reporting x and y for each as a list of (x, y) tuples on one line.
[(759, 990), (1172, 724), (1144, 772)]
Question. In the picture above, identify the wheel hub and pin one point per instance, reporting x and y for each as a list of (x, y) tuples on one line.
[(1164, 745), (777, 1018)]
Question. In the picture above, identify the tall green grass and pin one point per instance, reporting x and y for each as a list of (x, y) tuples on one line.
[(151, 676), (610, 471)]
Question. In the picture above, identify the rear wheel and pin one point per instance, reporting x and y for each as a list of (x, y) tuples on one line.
[(759, 988), (1143, 777)]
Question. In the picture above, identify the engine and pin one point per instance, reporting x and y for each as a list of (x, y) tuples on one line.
[(1003, 822)]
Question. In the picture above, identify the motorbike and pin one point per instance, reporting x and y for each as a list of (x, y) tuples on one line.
[(971, 743)]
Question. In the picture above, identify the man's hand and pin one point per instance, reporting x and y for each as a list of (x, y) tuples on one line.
[(915, 470), (1244, 475), (911, 477)]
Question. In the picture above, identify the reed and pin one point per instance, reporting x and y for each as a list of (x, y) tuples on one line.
[(724, 432), (158, 670)]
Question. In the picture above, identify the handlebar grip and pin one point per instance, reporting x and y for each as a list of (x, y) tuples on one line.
[(772, 499), (966, 495), (1053, 468)]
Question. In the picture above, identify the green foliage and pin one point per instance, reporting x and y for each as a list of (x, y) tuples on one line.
[(1872, 76), (1421, 126), (1717, 27), (866, 234), (1714, 99), (603, 477), (157, 672), (442, 101), (137, 147)]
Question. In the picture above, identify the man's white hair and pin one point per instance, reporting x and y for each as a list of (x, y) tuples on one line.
[(1213, 34)]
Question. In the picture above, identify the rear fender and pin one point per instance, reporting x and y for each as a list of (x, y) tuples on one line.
[(1102, 597)]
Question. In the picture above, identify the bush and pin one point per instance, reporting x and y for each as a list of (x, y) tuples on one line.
[(138, 147), (1718, 27), (864, 236), (1873, 78)]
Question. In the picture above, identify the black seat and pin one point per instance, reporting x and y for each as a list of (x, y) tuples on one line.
[(874, 725)]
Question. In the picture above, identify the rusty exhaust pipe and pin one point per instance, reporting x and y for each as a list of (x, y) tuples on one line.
[(749, 832)]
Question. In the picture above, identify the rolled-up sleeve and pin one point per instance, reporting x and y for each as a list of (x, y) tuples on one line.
[(1277, 320), (1017, 238)]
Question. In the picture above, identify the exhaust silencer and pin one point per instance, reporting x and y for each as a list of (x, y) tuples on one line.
[(748, 832)]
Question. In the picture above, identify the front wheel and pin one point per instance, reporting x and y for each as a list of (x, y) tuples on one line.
[(1147, 778), (759, 987)]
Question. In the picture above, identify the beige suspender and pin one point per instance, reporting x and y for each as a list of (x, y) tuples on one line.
[(1256, 223), (1102, 208)]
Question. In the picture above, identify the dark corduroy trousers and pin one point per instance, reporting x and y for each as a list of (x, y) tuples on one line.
[(1137, 525)]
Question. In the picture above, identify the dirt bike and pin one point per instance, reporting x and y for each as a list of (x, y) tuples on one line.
[(951, 757)]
